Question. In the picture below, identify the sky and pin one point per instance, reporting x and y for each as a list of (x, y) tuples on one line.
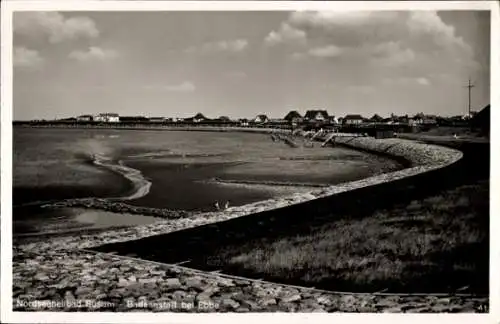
[(243, 63)]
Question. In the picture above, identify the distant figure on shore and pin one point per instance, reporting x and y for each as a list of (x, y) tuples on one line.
[(226, 205), (217, 205)]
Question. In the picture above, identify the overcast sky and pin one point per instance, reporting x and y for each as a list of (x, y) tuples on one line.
[(241, 64)]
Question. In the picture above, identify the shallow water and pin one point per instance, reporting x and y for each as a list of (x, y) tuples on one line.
[(173, 169), (65, 220)]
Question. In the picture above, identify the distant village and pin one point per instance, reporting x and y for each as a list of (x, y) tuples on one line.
[(312, 119), (291, 118)]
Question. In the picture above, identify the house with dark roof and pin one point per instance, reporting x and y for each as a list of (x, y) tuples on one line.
[(403, 119), (353, 120), (376, 119), (199, 117), (419, 116), (261, 119), (293, 117), (316, 115), (243, 121)]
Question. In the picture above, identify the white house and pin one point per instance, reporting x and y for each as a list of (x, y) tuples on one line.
[(107, 118)]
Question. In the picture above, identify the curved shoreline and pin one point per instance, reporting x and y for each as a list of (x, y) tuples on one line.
[(268, 183), (141, 186), (56, 255), (436, 157), (450, 156)]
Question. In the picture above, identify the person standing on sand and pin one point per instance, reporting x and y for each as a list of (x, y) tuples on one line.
[(217, 205), (226, 206)]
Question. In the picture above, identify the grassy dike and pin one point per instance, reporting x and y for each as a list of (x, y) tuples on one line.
[(435, 244)]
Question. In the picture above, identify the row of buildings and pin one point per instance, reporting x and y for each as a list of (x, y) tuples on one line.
[(103, 117), (292, 118), (312, 119)]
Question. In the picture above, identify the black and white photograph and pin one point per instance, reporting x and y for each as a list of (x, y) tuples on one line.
[(288, 160)]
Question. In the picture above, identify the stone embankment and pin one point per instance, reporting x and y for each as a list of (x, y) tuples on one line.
[(99, 282), (58, 270), (418, 154)]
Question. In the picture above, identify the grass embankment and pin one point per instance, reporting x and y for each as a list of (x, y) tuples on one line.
[(438, 244), (461, 132)]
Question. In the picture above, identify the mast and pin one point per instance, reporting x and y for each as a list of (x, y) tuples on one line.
[(469, 88)]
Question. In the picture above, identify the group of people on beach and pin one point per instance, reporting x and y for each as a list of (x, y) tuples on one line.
[(217, 206)]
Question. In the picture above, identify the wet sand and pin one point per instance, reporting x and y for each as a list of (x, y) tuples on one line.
[(64, 220), (176, 174)]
